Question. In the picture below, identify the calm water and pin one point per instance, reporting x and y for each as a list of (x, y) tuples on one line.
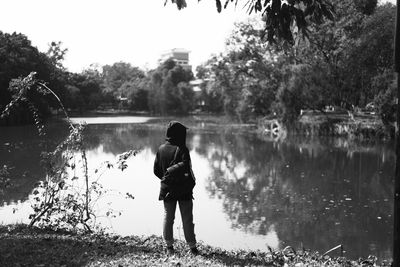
[(251, 192)]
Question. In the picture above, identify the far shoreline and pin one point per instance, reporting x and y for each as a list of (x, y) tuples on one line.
[(358, 127)]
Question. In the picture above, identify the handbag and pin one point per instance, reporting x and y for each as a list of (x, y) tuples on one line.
[(177, 184)]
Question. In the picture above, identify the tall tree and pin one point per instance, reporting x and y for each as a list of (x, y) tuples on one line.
[(136, 90), (18, 58), (396, 232), (169, 90), (114, 76)]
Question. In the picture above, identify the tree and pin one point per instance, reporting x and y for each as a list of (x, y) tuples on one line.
[(376, 43), (246, 78), (304, 88), (169, 89), (56, 54), (385, 100), (136, 90), (116, 75), (280, 22), (18, 58), (210, 96), (222, 82), (281, 18), (396, 232), (84, 91)]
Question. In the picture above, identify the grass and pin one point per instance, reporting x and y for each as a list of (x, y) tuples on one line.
[(23, 246)]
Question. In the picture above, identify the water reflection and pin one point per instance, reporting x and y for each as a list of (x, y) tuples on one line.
[(20, 150), (315, 194), (250, 192)]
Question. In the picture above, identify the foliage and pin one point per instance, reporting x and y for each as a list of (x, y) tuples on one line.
[(136, 91), (343, 63), (84, 91), (169, 89), (26, 96), (56, 54), (18, 58), (46, 247), (339, 63), (63, 199), (372, 52), (280, 17), (305, 88), (5, 181), (385, 100), (67, 200), (211, 96), (90, 89), (116, 75), (246, 79)]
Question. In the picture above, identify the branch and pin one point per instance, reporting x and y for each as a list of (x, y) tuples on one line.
[(59, 102)]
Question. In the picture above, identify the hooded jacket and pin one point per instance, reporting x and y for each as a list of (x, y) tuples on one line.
[(175, 138)]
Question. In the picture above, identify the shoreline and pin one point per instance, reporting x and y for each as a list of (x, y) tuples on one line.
[(361, 127), (24, 246), (356, 127)]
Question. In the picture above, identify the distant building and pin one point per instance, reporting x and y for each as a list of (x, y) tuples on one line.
[(179, 55)]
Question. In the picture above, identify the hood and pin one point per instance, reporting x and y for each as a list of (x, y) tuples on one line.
[(176, 133)]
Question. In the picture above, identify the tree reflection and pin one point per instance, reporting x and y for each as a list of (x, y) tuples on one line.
[(21, 147), (315, 195), (117, 139), (20, 151)]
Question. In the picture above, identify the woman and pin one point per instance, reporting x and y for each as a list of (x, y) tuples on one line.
[(173, 167)]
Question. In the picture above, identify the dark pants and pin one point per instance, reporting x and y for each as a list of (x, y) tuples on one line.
[(186, 209)]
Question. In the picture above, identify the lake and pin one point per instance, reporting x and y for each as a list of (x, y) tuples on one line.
[(252, 191)]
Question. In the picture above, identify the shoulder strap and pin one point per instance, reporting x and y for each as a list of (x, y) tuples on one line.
[(175, 156)]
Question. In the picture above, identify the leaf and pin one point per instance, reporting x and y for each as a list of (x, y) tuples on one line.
[(258, 6), (129, 195), (180, 3), (123, 166), (61, 184), (219, 6)]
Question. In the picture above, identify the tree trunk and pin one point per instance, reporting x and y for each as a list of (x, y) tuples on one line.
[(396, 225)]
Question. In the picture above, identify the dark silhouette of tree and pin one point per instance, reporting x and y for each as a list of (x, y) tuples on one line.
[(169, 90)]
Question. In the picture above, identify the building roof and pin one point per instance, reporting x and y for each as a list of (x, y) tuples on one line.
[(180, 50)]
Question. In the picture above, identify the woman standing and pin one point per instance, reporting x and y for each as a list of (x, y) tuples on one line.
[(173, 167)]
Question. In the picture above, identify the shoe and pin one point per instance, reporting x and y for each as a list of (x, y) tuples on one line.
[(170, 250), (194, 251)]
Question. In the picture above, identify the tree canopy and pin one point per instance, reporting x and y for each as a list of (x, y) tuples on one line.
[(344, 63), (281, 16)]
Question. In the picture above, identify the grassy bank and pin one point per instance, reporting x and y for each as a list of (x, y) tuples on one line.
[(22, 246)]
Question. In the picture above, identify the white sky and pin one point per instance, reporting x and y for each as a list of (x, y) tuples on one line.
[(134, 31)]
